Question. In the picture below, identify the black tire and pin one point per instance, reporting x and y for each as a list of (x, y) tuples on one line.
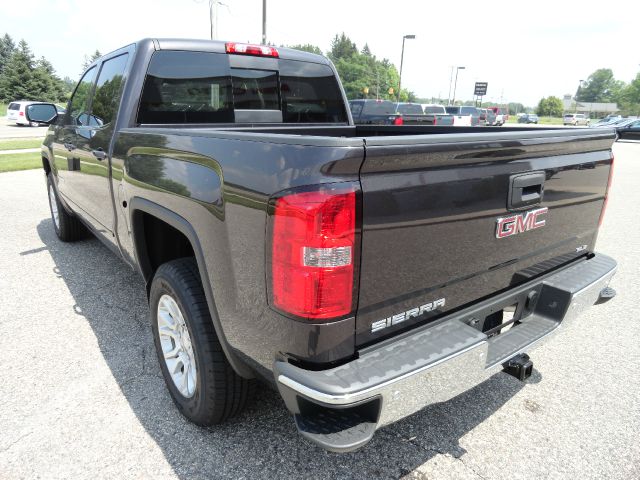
[(220, 392), (68, 228)]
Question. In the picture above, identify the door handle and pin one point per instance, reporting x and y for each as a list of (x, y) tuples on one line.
[(69, 146), (526, 190), (99, 154)]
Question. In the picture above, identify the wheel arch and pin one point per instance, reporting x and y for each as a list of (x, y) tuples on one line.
[(141, 210)]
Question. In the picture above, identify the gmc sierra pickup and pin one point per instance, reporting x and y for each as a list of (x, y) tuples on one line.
[(365, 271)]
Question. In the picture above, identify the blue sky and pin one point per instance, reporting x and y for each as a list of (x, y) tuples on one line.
[(525, 50)]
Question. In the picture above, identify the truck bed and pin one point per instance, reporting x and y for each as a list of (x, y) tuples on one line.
[(430, 200)]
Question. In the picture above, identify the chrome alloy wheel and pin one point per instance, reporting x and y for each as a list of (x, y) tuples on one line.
[(177, 350), (54, 207)]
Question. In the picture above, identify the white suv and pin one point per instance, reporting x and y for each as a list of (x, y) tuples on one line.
[(15, 113), (575, 119)]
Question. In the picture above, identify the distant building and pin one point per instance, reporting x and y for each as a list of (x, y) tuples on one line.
[(592, 109)]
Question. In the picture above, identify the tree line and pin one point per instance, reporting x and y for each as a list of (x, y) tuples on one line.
[(23, 77), (600, 87), (363, 75)]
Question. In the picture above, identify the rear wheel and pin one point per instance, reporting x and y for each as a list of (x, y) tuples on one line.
[(67, 227), (203, 385)]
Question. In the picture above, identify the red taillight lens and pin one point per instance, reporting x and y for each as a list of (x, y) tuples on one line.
[(249, 49), (398, 121), (435, 120), (21, 114), (606, 194), (312, 254)]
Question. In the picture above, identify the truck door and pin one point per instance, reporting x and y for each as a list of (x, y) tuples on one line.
[(92, 144), (65, 152)]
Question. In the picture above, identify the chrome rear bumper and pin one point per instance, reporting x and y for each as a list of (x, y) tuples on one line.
[(436, 363)]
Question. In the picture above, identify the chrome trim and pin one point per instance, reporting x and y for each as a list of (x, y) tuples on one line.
[(451, 375)]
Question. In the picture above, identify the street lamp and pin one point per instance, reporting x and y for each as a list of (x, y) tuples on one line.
[(455, 85), (406, 37)]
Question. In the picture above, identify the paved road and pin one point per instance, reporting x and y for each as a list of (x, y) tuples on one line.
[(11, 130), (83, 396)]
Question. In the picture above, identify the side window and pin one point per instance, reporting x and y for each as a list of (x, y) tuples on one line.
[(356, 108), (108, 91), (80, 100)]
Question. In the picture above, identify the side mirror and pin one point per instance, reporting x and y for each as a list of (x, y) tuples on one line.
[(41, 113)]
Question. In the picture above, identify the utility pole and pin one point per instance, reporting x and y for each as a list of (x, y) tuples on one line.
[(264, 22)]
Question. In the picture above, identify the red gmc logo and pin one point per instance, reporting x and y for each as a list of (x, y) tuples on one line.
[(520, 222)]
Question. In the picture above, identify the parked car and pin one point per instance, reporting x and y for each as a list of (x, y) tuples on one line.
[(414, 114), (629, 130), (363, 271), (15, 113), (464, 116), (528, 118), (502, 115), (575, 119), (374, 112)]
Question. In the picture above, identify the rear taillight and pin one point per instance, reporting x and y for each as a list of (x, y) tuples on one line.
[(398, 121), (21, 114), (606, 193), (249, 49), (435, 120), (313, 253)]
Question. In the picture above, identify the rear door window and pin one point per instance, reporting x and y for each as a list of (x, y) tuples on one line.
[(106, 98)]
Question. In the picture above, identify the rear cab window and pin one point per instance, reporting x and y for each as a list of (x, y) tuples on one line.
[(200, 87), (383, 107), (453, 110), (410, 109)]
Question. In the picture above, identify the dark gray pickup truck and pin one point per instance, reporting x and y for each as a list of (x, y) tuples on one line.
[(364, 271)]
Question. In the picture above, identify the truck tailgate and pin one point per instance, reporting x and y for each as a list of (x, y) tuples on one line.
[(432, 208)]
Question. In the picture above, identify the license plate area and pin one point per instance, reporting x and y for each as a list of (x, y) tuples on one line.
[(500, 317)]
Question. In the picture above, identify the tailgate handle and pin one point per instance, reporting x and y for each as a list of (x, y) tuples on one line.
[(525, 190)]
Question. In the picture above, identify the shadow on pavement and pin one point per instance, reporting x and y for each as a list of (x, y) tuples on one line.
[(263, 441)]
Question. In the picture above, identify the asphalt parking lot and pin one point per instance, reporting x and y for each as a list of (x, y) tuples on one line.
[(11, 130), (83, 396)]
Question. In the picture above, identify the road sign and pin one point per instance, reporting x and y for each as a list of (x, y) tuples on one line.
[(481, 89)]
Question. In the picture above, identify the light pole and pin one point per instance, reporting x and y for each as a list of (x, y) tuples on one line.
[(455, 85), (410, 37), (264, 22)]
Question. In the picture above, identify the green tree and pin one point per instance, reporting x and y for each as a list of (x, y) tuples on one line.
[(7, 47), (15, 81), (307, 47), (601, 86), (550, 107), (342, 47), (362, 74)]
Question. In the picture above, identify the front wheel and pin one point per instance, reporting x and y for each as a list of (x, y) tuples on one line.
[(67, 227), (202, 383)]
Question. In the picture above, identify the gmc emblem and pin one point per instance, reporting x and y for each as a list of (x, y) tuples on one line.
[(520, 222)]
